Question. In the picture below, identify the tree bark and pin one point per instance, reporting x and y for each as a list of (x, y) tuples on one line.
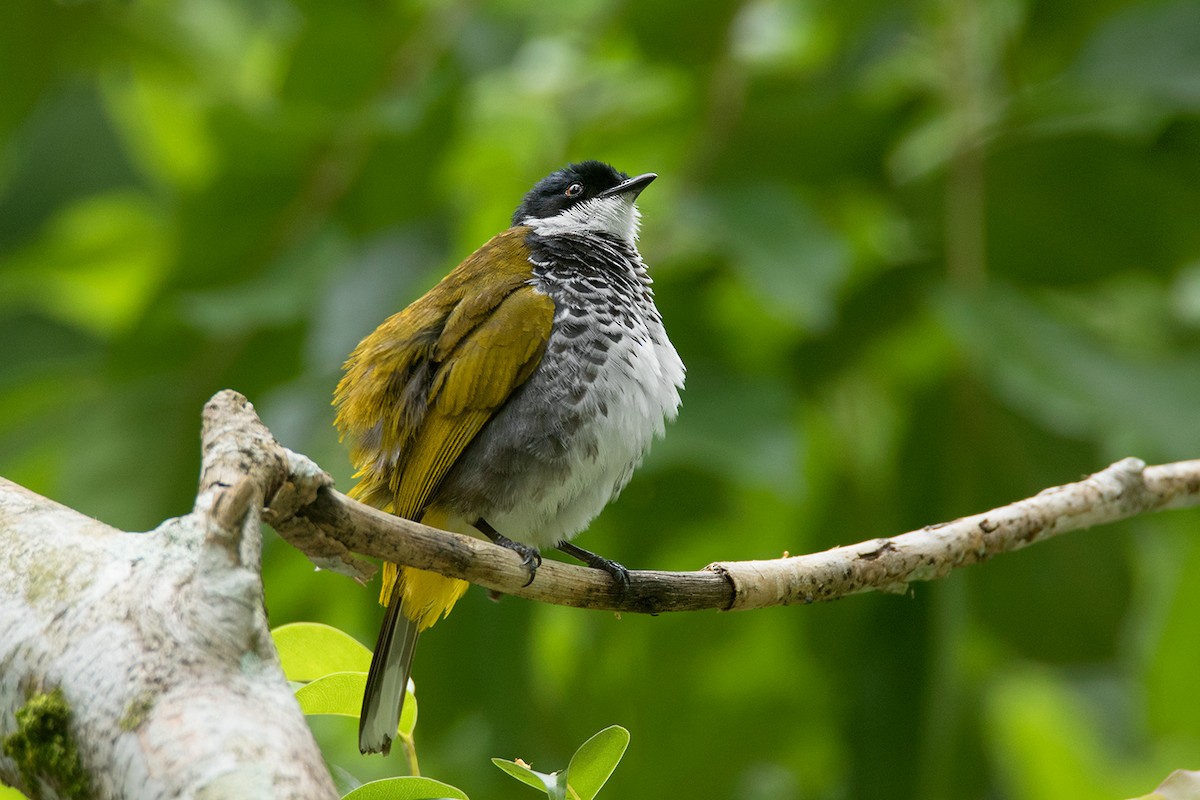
[(141, 664)]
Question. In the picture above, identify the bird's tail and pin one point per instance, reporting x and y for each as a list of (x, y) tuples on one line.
[(388, 679), (415, 599)]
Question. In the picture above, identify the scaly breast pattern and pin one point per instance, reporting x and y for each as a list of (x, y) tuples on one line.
[(569, 439)]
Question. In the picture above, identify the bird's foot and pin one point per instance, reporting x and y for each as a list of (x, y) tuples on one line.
[(531, 559), (619, 573)]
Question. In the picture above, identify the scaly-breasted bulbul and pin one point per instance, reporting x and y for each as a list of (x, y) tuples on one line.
[(514, 400)]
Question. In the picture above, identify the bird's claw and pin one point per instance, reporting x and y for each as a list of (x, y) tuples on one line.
[(616, 571), (619, 573), (531, 557)]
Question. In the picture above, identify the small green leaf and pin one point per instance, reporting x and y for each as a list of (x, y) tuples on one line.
[(406, 788), (97, 264), (594, 761), (343, 780), (340, 693), (308, 650), (538, 780)]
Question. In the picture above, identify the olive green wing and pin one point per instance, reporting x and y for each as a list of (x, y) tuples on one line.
[(422, 385), (479, 372)]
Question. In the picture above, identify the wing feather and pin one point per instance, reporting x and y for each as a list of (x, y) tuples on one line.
[(422, 386)]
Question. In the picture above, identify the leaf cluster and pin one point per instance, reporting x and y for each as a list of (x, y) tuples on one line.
[(330, 670)]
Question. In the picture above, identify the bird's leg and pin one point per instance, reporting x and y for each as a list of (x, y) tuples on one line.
[(619, 574), (531, 559)]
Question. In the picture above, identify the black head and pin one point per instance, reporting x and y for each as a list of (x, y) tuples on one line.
[(569, 186)]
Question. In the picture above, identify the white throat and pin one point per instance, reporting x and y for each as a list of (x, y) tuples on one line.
[(616, 215)]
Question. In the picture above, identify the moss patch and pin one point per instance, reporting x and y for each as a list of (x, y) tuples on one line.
[(136, 712), (44, 751)]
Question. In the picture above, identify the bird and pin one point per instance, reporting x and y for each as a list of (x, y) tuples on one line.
[(513, 401)]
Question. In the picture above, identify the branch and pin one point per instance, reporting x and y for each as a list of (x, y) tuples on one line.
[(1125, 489)]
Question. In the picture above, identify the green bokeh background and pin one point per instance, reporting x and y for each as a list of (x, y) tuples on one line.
[(920, 259)]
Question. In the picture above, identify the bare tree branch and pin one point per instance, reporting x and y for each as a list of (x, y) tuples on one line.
[(1125, 489)]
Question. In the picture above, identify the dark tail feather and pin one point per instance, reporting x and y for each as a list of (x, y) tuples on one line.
[(388, 679)]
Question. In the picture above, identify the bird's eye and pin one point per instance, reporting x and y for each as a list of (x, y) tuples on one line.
[(574, 190)]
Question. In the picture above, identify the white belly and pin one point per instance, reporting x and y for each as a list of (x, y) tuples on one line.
[(627, 407)]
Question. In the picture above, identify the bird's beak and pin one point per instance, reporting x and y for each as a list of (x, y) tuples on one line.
[(630, 186)]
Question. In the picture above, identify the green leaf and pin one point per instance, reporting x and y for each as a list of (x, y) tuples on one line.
[(308, 650), (97, 265), (1047, 739), (594, 761), (1074, 384), (1150, 51), (406, 788), (587, 773), (344, 781), (538, 780), (1171, 704), (408, 714), (169, 127), (340, 693)]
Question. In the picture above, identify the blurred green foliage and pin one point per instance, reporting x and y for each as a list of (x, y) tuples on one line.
[(920, 258)]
